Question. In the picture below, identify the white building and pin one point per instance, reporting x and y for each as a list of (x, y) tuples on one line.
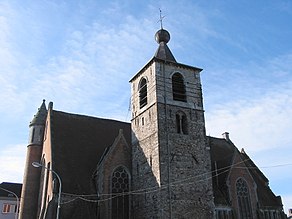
[(9, 200)]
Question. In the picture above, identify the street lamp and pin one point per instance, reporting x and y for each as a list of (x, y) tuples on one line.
[(17, 200), (36, 164)]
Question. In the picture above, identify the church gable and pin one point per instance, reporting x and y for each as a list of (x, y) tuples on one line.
[(118, 154), (113, 175), (242, 188)]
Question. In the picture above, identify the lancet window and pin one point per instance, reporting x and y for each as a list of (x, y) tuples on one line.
[(243, 199), (120, 194)]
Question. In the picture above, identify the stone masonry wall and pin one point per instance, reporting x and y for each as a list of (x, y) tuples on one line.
[(145, 152), (171, 171)]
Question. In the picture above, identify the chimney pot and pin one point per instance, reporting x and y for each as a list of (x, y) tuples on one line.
[(226, 136)]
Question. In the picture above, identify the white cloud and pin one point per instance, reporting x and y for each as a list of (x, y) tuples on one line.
[(256, 111), (256, 124), (7, 60), (287, 201), (94, 66), (12, 160)]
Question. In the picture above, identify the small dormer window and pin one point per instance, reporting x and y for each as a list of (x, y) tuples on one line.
[(178, 87), (143, 92)]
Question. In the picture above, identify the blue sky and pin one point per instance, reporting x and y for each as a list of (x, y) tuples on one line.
[(81, 55)]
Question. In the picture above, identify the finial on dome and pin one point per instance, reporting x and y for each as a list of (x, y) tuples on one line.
[(160, 19), (162, 35)]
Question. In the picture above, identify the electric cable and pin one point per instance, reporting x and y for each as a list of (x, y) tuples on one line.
[(164, 186)]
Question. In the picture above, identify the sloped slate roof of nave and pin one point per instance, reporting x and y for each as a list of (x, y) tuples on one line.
[(221, 159), (265, 195), (222, 152), (78, 143)]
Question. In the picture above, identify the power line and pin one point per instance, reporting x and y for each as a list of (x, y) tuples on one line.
[(148, 190), (164, 186)]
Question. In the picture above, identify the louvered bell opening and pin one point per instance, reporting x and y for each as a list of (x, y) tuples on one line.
[(143, 93), (178, 88)]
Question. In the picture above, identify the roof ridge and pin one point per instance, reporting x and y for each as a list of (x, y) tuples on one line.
[(76, 115)]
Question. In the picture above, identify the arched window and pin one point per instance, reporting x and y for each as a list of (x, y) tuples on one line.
[(120, 197), (178, 87), (32, 132), (181, 123), (243, 199), (143, 92)]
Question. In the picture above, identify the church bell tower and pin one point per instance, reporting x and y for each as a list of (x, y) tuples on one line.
[(171, 166)]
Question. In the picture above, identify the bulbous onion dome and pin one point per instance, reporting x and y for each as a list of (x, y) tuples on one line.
[(162, 36)]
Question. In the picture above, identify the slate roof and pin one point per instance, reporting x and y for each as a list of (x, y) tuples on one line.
[(13, 187), (221, 159), (41, 115), (164, 53), (265, 195), (78, 143), (222, 152)]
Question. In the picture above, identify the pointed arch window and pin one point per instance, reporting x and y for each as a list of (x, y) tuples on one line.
[(143, 92), (178, 88), (181, 123), (243, 199), (120, 192)]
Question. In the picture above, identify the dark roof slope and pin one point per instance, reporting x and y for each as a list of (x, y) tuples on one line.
[(164, 53), (13, 187), (221, 159), (78, 143), (265, 195)]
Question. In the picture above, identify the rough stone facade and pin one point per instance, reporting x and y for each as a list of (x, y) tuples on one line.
[(172, 170)]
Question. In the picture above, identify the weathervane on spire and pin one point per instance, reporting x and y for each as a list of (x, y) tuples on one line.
[(161, 18)]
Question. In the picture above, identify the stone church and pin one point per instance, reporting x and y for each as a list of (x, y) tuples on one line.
[(161, 165)]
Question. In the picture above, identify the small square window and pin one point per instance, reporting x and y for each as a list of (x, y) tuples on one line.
[(8, 208)]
